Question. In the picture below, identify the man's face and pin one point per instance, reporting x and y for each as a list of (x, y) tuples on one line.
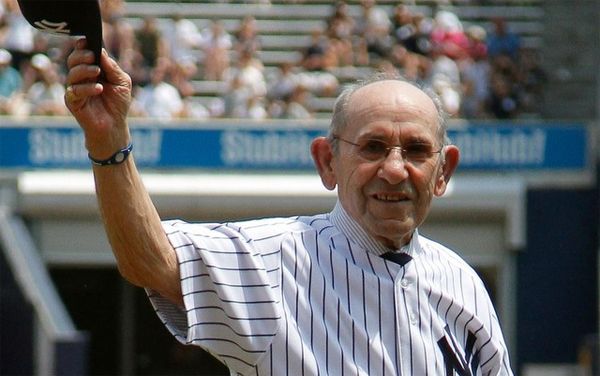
[(389, 197)]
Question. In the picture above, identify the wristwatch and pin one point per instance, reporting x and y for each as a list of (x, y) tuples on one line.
[(117, 158)]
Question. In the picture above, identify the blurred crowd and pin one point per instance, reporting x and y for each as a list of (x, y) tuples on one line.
[(478, 72)]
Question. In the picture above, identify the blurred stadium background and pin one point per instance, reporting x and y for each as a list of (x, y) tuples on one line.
[(222, 123)]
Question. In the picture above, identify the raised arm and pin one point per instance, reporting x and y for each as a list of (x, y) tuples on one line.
[(143, 252)]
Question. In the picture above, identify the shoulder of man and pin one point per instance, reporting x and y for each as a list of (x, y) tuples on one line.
[(256, 228), (436, 250)]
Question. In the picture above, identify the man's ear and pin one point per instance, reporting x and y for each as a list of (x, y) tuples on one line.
[(322, 154), (451, 158)]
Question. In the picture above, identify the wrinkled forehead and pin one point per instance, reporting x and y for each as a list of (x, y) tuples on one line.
[(392, 100)]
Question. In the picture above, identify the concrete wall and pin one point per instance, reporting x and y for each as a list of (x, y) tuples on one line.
[(570, 54)]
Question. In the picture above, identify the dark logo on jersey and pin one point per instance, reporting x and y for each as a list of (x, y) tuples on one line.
[(455, 361)]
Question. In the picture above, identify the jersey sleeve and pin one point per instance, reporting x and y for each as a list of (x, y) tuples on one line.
[(494, 362), (231, 304)]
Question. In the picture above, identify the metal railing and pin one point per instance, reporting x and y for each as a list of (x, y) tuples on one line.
[(59, 348)]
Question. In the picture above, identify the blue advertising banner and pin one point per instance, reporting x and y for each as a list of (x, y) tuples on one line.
[(484, 147), (523, 147)]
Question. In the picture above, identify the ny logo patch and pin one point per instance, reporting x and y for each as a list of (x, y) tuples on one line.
[(466, 365), (53, 27)]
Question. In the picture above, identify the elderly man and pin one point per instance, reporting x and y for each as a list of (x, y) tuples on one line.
[(356, 291)]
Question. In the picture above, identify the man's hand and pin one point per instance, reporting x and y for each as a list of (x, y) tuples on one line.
[(99, 105)]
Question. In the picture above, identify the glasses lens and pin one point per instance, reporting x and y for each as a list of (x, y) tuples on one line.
[(373, 150), (417, 152)]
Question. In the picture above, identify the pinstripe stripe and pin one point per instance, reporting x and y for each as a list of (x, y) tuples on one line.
[(310, 296)]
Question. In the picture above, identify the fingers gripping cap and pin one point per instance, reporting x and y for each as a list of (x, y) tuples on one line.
[(74, 17)]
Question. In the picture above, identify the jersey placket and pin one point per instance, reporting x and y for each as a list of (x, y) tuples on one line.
[(408, 321)]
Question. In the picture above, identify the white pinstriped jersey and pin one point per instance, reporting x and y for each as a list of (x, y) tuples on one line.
[(311, 296)]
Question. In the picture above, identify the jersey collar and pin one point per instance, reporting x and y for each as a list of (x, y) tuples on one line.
[(356, 234)]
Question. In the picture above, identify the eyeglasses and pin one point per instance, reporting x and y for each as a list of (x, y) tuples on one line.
[(377, 150)]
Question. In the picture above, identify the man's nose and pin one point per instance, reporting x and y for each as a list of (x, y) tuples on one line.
[(393, 167)]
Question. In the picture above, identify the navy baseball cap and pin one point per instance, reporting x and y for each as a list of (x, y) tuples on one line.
[(73, 17)]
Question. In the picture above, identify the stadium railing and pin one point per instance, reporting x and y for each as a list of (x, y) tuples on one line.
[(59, 348)]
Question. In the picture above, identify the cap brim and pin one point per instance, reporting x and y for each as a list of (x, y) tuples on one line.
[(74, 17)]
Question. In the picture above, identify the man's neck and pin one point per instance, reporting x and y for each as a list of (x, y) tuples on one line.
[(355, 233)]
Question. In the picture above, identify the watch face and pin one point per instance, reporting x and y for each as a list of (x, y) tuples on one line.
[(119, 157)]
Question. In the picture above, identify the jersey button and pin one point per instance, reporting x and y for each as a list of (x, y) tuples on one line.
[(405, 283), (414, 319)]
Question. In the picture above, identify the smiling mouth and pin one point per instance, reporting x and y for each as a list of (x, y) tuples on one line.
[(391, 197)]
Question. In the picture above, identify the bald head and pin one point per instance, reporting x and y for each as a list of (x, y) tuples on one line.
[(394, 91), (400, 95)]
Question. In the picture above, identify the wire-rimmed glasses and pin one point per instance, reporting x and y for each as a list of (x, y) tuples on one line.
[(374, 150)]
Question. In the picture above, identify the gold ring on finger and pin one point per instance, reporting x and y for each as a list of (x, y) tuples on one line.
[(71, 96)]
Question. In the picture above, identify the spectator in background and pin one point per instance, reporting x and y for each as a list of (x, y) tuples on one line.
[(317, 55), (247, 37), (317, 61), (150, 41), (118, 34), (11, 98), (412, 30), (216, 43), (46, 95), (404, 29), (413, 66), (120, 40), (241, 102), (193, 109), (340, 26), (531, 78), (297, 105), (16, 36), (42, 45), (504, 86), (373, 28), (181, 37), (132, 60), (255, 107), (444, 79), (159, 99), (412, 35), (280, 86), (181, 74), (250, 71), (475, 75), (448, 37), (504, 66), (112, 8), (244, 81), (503, 102), (235, 98), (477, 46), (387, 67), (282, 83), (502, 41)]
